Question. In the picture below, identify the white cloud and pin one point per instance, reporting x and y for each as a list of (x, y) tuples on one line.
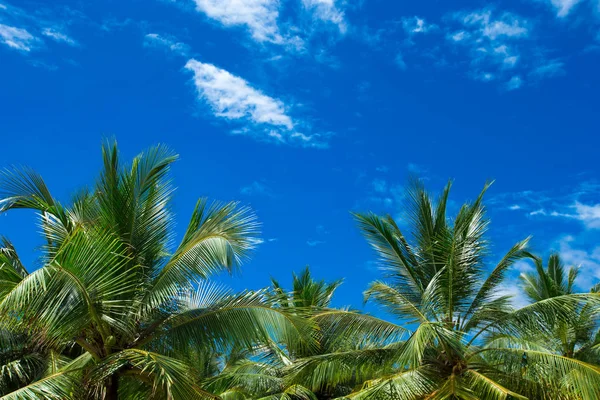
[(459, 36), (326, 10), (259, 16), (540, 211), (514, 207), (233, 98), (514, 83), (494, 42), (313, 243), (415, 25), (511, 287), (508, 25), (59, 36), (563, 7), (27, 31), (17, 38), (588, 261), (589, 215), (166, 42)]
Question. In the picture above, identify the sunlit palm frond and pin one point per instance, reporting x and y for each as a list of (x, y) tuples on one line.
[(219, 237), (395, 254), (63, 384)]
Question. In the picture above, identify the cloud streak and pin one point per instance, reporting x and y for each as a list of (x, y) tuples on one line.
[(258, 16), (327, 10), (17, 38), (233, 99), (166, 42)]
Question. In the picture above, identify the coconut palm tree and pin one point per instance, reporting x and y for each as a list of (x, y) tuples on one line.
[(21, 360), (580, 337), (307, 293), (130, 315), (275, 372), (467, 341)]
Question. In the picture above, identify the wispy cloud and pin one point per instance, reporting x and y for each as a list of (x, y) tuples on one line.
[(232, 98), (415, 25), (576, 202), (493, 41), (257, 189), (514, 83), (587, 214), (588, 261), (26, 31), (313, 243), (549, 69), (59, 36), (328, 11), (166, 42), (17, 38), (562, 7), (258, 16)]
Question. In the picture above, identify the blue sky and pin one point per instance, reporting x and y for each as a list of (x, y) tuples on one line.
[(309, 109)]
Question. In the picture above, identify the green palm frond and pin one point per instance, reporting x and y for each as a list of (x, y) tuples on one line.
[(167, 377), (486, 388), (405, 385), (343, 328), (395, 254), (245, 319), (63, 384), (219, 237)]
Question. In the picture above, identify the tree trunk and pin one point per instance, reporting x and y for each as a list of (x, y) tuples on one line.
[(112, 388)]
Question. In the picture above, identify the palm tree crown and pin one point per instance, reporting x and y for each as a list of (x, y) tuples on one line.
[(128, 315)]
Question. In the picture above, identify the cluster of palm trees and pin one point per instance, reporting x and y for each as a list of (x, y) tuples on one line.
[(118, 311)]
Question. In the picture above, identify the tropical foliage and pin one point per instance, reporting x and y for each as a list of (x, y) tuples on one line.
[(117, 310)]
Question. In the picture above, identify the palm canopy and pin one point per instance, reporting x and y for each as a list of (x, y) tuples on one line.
[(579, 337), (306, 292), (551, 281), (129, 311), (286, 372), (468, 342)]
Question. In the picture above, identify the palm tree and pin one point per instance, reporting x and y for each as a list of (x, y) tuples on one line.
[(580, 337), (130, 316), (306, 294), (276, 372), (467, 342)]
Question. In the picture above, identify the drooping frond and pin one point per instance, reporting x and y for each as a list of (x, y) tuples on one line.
[(243, 319), (395, 254), (405, 385), (12, 270), (167, 377), (63, 384), (348, 329)]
